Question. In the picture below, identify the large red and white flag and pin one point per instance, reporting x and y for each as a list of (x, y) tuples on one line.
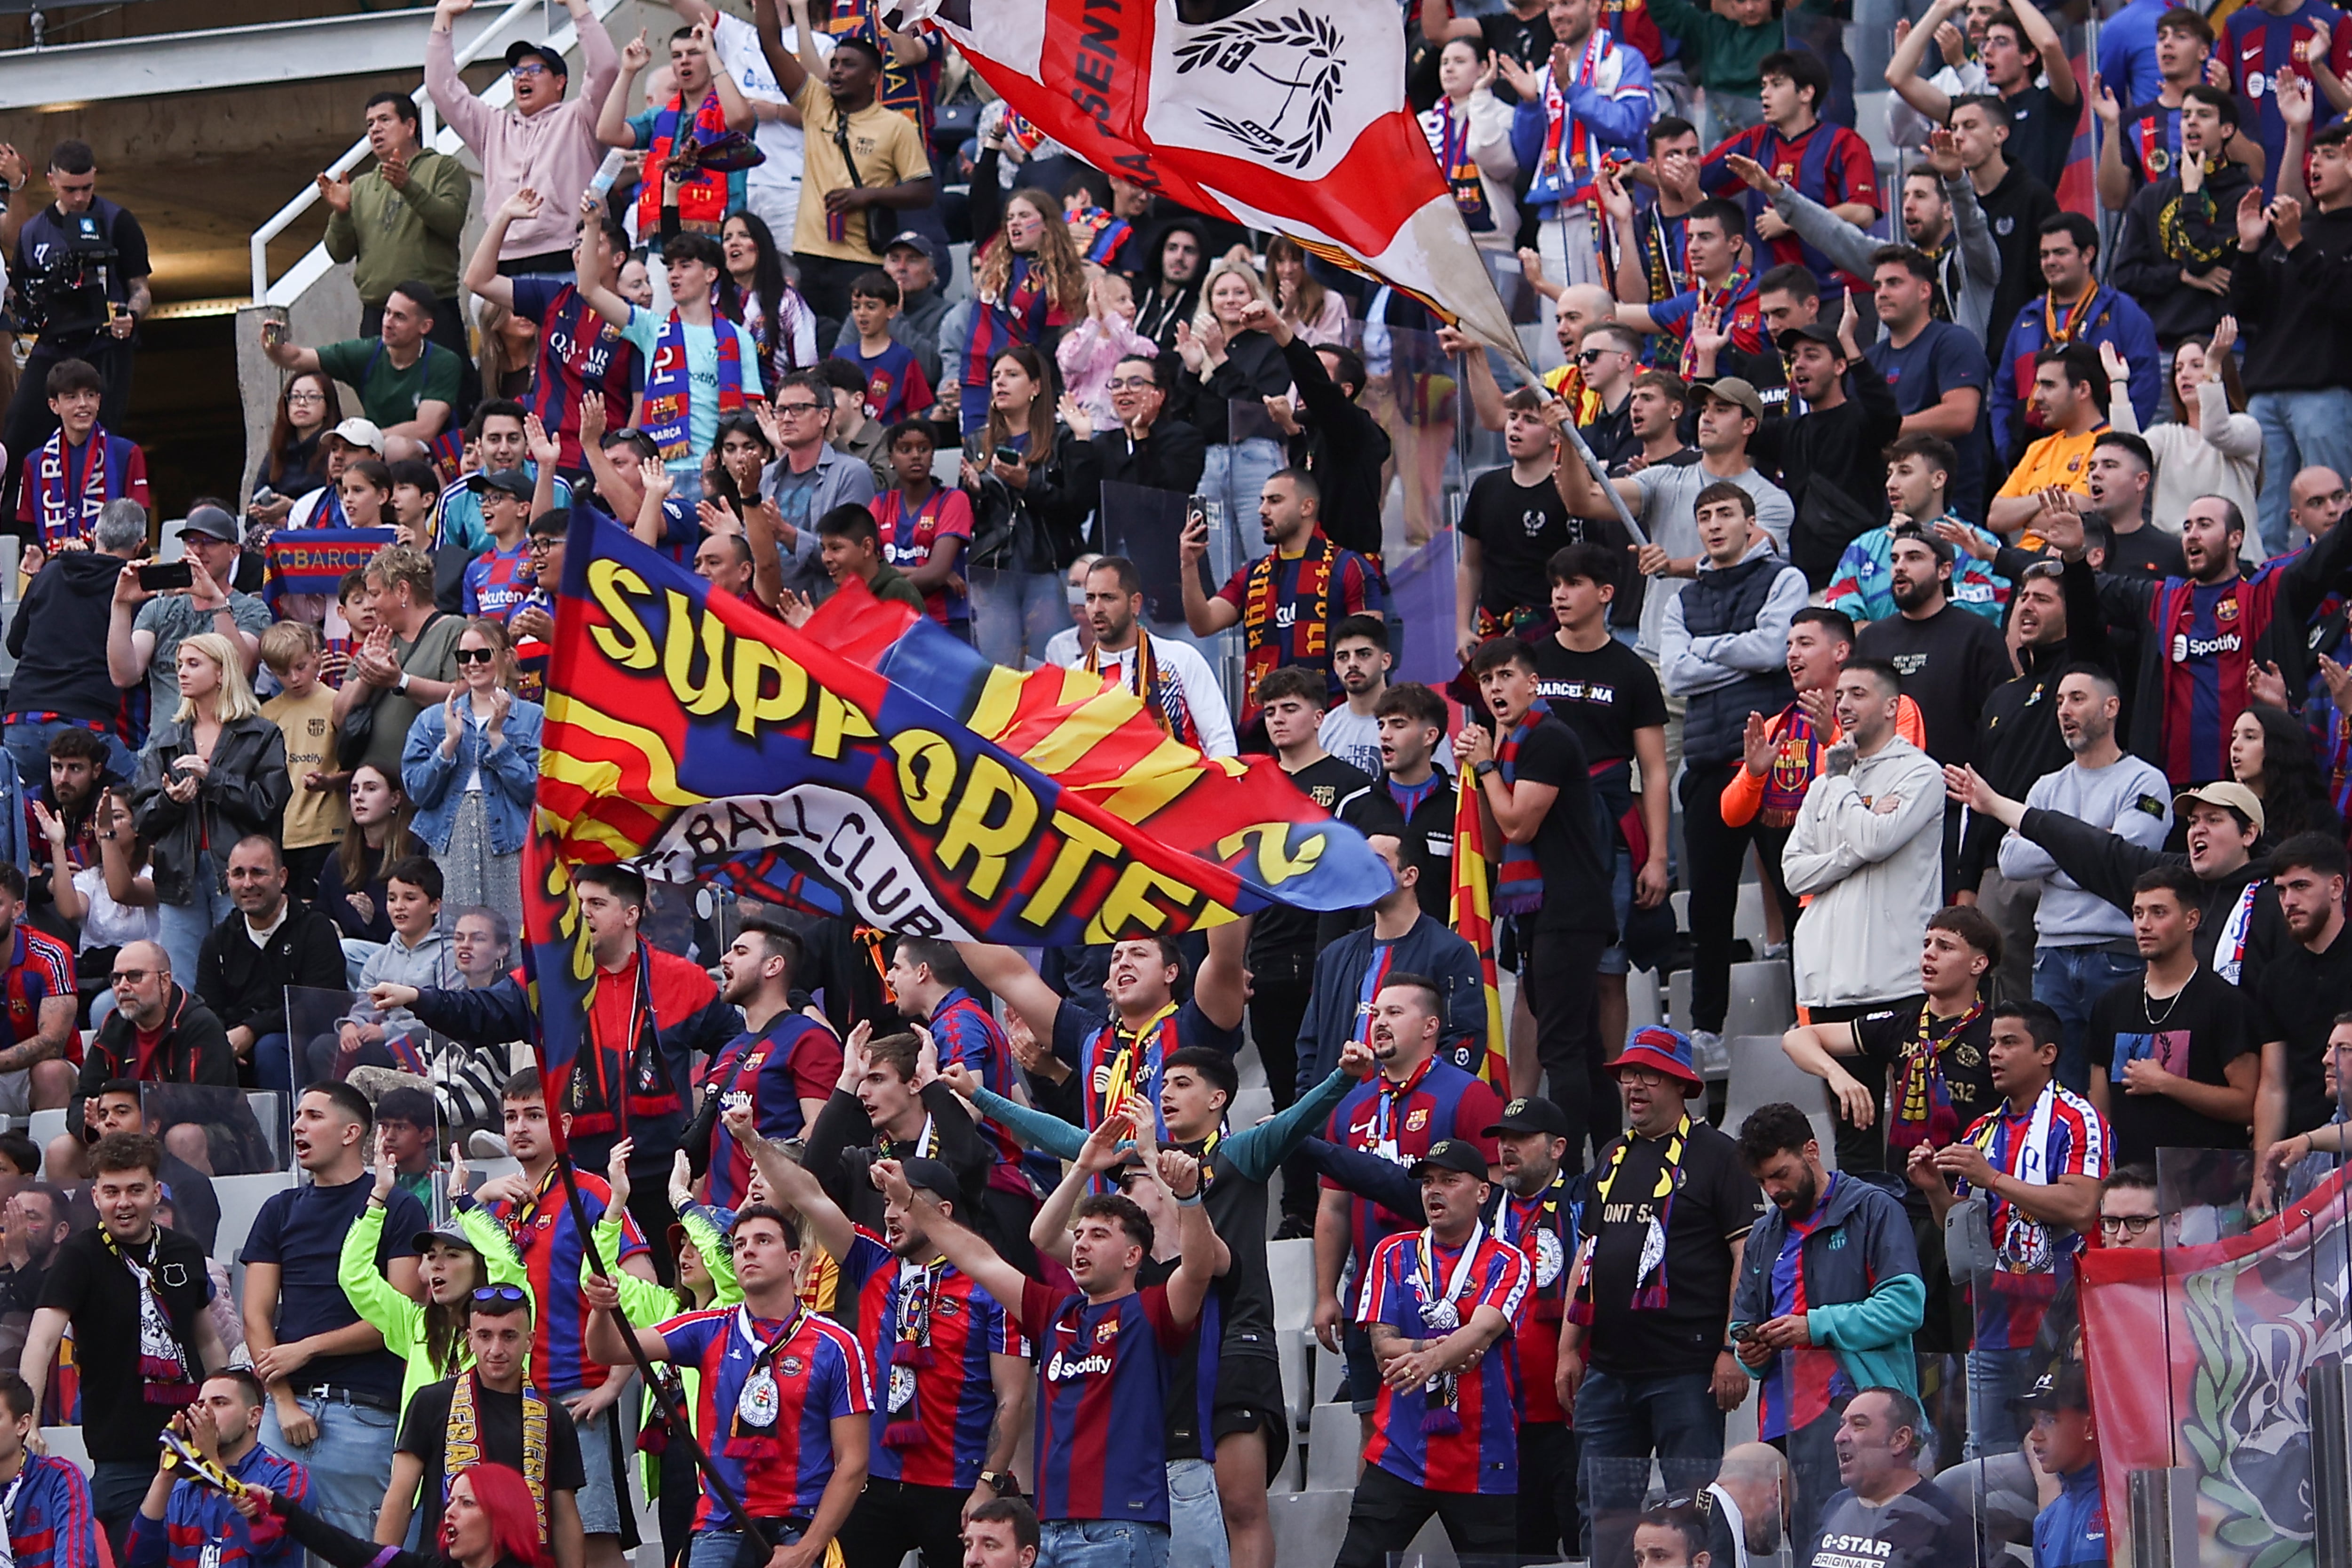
[(1276, 114)]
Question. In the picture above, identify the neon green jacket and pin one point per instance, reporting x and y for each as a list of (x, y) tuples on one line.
[(388, 1310)]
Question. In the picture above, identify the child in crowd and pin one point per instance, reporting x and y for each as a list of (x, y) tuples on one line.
[(304, 712), (896, 388), (926, 526), (1091, 351)]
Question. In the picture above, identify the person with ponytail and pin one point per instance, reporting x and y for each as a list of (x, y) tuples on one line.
[(489, 1521), (1028, 284)]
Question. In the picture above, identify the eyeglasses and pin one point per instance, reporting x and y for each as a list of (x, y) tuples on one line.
[(473, 655), (1133, 384), (797, 408), (131, 976), (540, 542), (2126, 1224), (308, 394), (529, 68), (501, 1293), (1649, 1078)]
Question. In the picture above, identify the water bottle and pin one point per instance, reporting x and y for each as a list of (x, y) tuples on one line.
[(607, 175)]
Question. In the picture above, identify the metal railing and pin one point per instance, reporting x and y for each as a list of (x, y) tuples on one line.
[(487, 39)]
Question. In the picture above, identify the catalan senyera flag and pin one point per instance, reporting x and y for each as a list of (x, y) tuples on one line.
[(1279, 115), (1474, 918), (2201, 1357)]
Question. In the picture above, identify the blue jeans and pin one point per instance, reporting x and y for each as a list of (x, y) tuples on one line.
[(273, 1065), (2300, 431), (2070, 981), (185, 926), (1996, 1377), (718, 1548), (29, 747), (1235, 476), (1619, 1420), (1196, 1518), (350, 1461), (1098, 1543), (1014, 614), (1813, 1470)]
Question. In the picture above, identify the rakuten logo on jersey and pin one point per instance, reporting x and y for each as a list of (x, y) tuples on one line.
[(2186, 647)]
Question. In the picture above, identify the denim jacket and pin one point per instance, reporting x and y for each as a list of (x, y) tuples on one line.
[(436, 783)]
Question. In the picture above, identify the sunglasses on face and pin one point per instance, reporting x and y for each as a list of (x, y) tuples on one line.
[(1587, 356), (474, 655), (131, 976)]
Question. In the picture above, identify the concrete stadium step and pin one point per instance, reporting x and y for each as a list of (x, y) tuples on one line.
[(1761, 1074), (1335, 1441), (1763, 999), (1747, 914)]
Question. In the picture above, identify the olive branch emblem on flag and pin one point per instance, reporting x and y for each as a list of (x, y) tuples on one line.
[(1299, 54)]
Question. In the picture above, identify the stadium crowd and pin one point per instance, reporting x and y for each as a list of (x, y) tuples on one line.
[(1987, 607)]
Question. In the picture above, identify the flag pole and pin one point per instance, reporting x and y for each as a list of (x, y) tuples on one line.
[(1511, 351), (680, 1427)]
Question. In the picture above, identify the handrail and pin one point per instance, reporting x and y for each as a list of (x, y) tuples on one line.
[(499, 91)]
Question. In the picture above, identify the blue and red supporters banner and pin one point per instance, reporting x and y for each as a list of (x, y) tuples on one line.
[(314, 560), (2202, 1356), (872, 766)]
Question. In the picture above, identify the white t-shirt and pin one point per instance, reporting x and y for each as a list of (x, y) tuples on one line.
[(108, 923), (1355, 739), (1194, 678), (739, 52)]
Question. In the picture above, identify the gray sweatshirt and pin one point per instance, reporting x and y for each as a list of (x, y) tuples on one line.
[(2128, 798)]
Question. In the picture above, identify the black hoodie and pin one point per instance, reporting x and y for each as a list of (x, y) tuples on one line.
[(62, 669), (2165, 232), (1156, 315)]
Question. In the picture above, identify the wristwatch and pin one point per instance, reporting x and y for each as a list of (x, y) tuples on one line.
[(1483, 769), (1004, 1482), (402, 687)]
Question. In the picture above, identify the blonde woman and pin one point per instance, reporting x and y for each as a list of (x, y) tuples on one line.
[(212, 773), (1237, 368), (470, 767)]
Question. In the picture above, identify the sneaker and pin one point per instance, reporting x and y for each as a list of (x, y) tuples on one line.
[(1774, 951), (1709, 1054), (486, 1146)]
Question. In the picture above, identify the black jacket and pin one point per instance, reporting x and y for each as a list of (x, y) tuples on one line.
[(1343, 447), (1169, 458), (244, 985), (2297, 306), (1039, 527), (2105, 865), (2165, 233), (843, 1146), (244, 792), (63, 668), (195, 1050), (1832, 468)]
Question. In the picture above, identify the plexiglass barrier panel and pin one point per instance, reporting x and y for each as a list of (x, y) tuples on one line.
[(424, 1090)]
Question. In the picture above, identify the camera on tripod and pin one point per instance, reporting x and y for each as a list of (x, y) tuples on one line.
[(68, 291)]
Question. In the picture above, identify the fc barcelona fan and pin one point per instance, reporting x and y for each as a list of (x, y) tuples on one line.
[(1444, 1435), (950, 1370), (1827, 164), (889, 1104), (782, 1404), (1105, 1349), (189, 1523), (932, 989), (79, 468), (1104, 1056), (1290, 601), (578, 350), (49, 1516), (41, 1063), (1174, 681), (1417, 1101), (703, 105), (1541, 1211)]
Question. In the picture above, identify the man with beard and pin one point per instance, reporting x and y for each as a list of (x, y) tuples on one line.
[(1936, 371), (1361, 657), (2199, 635), (1178, 688), (1890, 1515), (2122, 472), (782, 1067), (1746, 1507), (1829, 1296), (2302, 989), (1170, 287), (1833, 461), (2038, 1158), (950, 1366), (2083, 945), (1540, 1212), (2069, 392), (1143, 448), (1918, 470), (1642, 1370)]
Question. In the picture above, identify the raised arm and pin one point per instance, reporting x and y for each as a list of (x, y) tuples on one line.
[(1903, 68), (1196, 1265), (960, 1246), (482, 279), (832, 1228), (2052, 49), (613, 115), (1007, 975)]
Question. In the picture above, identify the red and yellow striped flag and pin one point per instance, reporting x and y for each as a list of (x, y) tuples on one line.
[(1474, 918)]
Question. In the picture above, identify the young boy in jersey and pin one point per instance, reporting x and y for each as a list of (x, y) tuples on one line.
[(782, 1403), (49, 1519), (498, 578), (896, 388), (304, 712), (925, 525), (850, 545), (1101, 1442), (78, 469)]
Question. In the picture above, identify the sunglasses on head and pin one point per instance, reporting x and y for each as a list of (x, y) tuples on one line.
[(500, 1293), (473, 655)]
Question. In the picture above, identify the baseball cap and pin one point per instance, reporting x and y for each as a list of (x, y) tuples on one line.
[(1810, 332), (1661, 1049), (551, 58), (1530, 1115), (513, 481), (1732, 389), (360, 432), (2062, 1387), (933, 1177), (1452, 1155), (2231, 795), (914, 240), (448, 1233), (212, 523)]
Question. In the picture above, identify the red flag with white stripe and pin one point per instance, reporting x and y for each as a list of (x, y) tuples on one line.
[(1273, 114)]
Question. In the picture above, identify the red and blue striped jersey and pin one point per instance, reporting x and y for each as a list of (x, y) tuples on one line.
[(201, 1529), (39, 967), (896, 387), (2259, 47), (551, 1253), (966, 1032), (2208, 632), (779, 1471), (2035, 1260), (1799, 1387), (793, 1059), (1830, 164), (578, 350), (498, 581), (50, 1522), (910, 537), (1401, 1123), (1102, 1408), (931, 1421), (1408, 1270)]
